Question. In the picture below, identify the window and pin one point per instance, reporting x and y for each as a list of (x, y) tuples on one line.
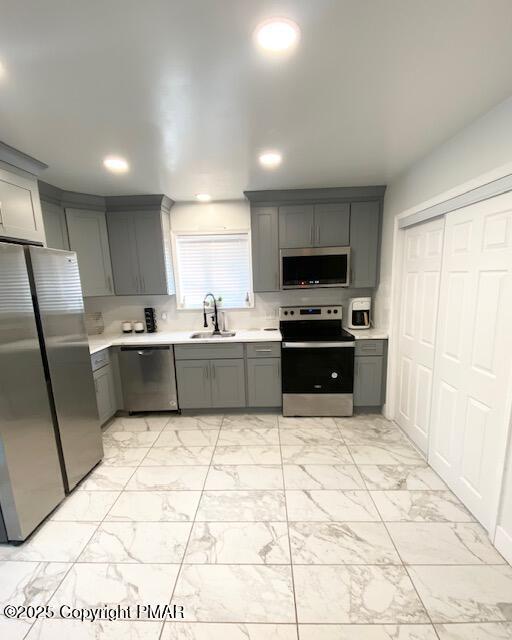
[(218, 263)]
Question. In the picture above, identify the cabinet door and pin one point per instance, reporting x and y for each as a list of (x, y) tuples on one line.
[(150, 251), (105, 393), (265, 248), (364, 243), (123, 252), (368, 381), (332, 225), (193, 382), (88, 237), (20, 210), (296, 226), (228, 383), (264, 382), (55, 228)]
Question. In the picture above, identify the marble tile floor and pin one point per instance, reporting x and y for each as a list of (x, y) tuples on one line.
[(262, 528)]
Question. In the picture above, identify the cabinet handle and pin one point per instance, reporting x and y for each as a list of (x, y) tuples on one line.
[(143, 284), (213, 371), (109, 282), (1, 216), (318, 234), (263, 350), (312, 234), (207, 371)]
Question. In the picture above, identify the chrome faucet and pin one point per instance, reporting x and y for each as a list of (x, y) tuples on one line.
[(216, 330)]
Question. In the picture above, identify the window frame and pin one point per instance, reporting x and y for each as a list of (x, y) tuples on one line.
[(175, 235)]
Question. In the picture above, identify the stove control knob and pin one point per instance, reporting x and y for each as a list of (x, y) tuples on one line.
[(286, 313), (328, 311), (292, 312), (335, 311), (334, 375)]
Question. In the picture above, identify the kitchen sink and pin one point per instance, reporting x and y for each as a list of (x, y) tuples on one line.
[(208, 334)]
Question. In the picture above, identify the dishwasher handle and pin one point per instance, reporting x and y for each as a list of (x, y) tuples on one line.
[(146, 351)]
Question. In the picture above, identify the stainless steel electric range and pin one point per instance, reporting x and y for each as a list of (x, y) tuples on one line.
[(317, 362)]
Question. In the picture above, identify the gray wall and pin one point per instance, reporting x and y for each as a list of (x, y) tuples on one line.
[(483, 146)]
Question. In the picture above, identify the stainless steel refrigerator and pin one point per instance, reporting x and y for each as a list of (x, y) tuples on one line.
[(50, 436)]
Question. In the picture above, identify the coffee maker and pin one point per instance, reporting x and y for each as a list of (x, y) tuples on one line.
[(359, 313)]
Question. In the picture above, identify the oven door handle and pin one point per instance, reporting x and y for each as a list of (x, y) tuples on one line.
[(317, 345)]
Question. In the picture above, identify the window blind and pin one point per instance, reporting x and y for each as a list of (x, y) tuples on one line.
[(216, 263)]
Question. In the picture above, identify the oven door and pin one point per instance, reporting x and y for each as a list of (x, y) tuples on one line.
[(318, 367), (317, 378), (315, 267)]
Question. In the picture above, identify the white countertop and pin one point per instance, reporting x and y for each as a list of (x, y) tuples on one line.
[(369, 334), (97, 343)]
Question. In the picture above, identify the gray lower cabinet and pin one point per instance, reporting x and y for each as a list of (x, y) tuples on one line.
[(369, 373), (105, 392), (193, 383), (217, 375), (228, 383), (210, 383), (364, 243), (264, 382), (265, 248)]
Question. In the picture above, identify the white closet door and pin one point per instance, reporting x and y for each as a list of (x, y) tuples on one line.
[(474, 354), (418, 317)]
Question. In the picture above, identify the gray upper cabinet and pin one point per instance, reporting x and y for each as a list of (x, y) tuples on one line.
[(20, 209), (228, 383), (140, 248), (265, 248), (150, 252), (55, 228), (332, 225), (123, 252), (88, 237), (364, 243), (296, 226), (322, 225)]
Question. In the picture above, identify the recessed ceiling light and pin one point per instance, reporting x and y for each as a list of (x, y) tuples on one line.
[(203, 197), (270, 159), (116, 164), (277, 34)]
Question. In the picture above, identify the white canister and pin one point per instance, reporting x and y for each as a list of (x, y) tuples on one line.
[(139, 327), (126, 327)]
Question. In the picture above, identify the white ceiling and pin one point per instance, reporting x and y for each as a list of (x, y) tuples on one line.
[(177, 87)]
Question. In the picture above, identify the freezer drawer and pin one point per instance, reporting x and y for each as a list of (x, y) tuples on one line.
[(148, 378)]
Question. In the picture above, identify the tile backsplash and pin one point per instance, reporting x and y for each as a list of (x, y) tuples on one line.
[(115, 309)]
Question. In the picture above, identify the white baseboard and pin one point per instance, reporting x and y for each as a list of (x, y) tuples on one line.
[(503, 542)]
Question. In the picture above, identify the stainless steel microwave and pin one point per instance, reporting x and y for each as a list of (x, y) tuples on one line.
[(309, 268)]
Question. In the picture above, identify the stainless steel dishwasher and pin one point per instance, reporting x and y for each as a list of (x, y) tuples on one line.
[(148, 378)]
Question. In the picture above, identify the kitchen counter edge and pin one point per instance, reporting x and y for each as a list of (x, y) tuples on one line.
[(98, 343)]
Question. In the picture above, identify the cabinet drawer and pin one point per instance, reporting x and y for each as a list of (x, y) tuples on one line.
[(264, 350), (369, 348), (100, 359), (208, 351)]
